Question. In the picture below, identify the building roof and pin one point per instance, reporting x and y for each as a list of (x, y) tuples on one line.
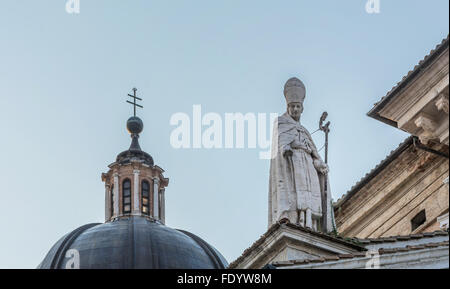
[(400, 238), (384, 245), (381, 250), (375, 171), (417, 70), (345, 241)]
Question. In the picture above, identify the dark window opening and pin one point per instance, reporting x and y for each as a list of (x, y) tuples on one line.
[(126, 196), (418, 220), (145, 197)]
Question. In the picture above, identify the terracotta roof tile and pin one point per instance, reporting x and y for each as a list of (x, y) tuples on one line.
[(389, 239), (355, 242), (331, 258), (404, 238), (402, 249), (384, 251), (347, 241), (419, 236), (432, 245), (416, 69), (346, 256), (412, 72), (303, 261), (418, 247), (374, 172), (376, 240), (439, 233), (318, 260), (284, 262), (362, 241)]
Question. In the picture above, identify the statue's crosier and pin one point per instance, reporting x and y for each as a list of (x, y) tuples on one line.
[(299, 189)]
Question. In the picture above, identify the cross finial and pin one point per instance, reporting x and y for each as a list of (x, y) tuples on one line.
[(134, 100)]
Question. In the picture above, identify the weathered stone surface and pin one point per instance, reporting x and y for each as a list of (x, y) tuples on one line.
[(385, 205), (416, 178), (298, 176)]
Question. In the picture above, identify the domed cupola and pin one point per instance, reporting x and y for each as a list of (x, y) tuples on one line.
[(134, 184), (134, 234)]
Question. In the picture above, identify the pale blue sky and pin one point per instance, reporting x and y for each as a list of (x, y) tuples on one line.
[(64, 80)]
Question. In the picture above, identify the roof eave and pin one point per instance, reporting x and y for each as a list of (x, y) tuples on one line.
[(424, 64), (378, 169)]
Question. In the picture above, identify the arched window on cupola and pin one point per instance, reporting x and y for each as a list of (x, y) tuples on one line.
[(126, 196), (145, 194)]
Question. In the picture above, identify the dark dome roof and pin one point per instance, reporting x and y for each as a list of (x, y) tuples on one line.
[(126, 157), (135, 127), (134, 242)]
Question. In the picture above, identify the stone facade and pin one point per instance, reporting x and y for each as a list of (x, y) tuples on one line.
[(409, 181), (419, 103), (408, 192)]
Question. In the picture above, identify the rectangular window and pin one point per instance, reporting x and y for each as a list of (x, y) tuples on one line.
[(145, 187), (418, 220), (126, 190)]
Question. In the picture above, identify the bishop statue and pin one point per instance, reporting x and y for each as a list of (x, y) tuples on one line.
[(298, 187)]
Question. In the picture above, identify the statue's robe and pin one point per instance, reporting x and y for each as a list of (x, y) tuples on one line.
[(286, 195)]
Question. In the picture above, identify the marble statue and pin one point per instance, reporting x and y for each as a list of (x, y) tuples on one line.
[(299, 189)]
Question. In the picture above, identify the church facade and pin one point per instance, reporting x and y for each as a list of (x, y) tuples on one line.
[(408, 192)]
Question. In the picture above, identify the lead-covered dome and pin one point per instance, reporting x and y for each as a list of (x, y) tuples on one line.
[(134, 235), (132, 243)]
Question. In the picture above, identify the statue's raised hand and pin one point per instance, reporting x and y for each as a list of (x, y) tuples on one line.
[(321, 167)]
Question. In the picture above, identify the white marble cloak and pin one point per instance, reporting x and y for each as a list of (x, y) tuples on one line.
[(285, 198)]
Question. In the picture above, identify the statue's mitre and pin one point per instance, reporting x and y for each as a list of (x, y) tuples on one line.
[(294, 90)]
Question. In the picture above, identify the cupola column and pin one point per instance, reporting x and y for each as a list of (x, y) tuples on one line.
[(156, 198), (116, 196), (107, 202), (163, 205), (136, 205)]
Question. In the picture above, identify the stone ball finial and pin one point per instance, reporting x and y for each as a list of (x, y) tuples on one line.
[(135, 125), (294, 90)]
